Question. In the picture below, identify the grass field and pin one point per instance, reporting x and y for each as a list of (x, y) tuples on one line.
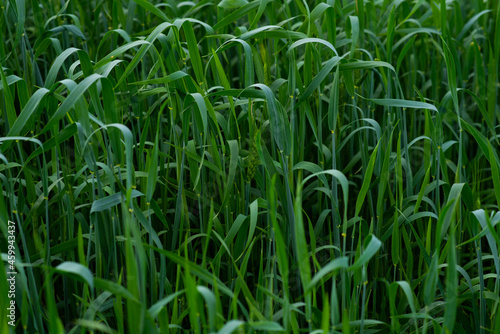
[(250, 166)]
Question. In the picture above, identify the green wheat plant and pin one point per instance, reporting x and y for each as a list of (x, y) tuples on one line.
[(250, 166)]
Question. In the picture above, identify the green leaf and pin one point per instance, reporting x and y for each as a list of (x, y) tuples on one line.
[(142, 51), (364, 65), (210, 302), (115, 288), (233, 164), (236, 15), (77, 269), (280, 127), (149, 6), (333, 266), (403, 52), (313, 40), (10, 110), (111, 201), (269, 326), (403, 104), (371, 247), (164, 80), (230, 326), (232, 4), (56, 66), (71, 100), (318, 79), (366, 181), (26, 115), (155, 309)]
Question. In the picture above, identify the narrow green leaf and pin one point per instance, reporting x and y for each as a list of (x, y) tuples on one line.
[(77, 269), (371, 247), (152, 8), (366, 181), (403, 104)]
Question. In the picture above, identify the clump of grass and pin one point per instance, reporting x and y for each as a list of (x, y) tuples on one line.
[(251, 166)]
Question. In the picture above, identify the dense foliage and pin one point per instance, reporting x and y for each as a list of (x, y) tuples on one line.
[(250, 166)]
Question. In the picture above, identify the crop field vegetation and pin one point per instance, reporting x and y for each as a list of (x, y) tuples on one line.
[(250, 166)]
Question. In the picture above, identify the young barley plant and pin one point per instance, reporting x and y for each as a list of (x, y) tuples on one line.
[(250, 166)]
